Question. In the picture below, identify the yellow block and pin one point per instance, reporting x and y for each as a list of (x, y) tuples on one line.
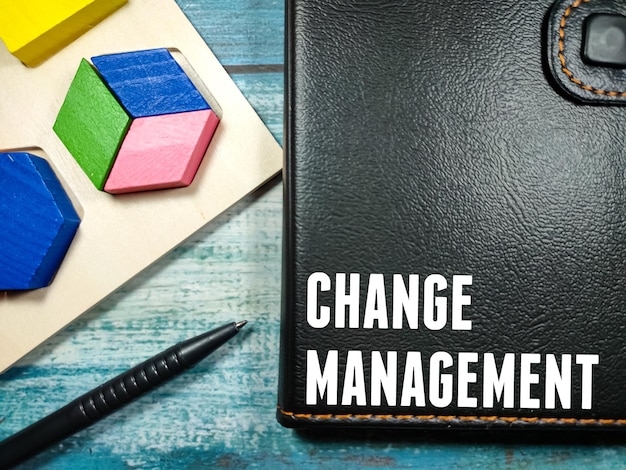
[(33, 30)]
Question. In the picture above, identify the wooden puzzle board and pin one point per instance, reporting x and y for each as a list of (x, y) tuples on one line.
[(121, 235)]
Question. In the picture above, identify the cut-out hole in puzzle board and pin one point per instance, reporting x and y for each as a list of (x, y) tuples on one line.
[(119, 236)]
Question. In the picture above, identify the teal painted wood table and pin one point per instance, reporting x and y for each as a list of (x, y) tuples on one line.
[(221, 414)]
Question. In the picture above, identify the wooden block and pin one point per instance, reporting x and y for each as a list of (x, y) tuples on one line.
[(33, 30), (121, 236), (37, 222), (149, 83), (91, 124), (162, 152)]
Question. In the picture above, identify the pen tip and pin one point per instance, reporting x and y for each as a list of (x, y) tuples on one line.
[(241, 324)]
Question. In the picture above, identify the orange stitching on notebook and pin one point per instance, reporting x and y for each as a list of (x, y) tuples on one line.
[(569, 10), (483, 419)]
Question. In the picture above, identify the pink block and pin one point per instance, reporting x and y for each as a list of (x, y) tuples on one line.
[(162, 152)]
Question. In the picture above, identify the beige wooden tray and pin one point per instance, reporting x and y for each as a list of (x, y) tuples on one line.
[(121, 235)]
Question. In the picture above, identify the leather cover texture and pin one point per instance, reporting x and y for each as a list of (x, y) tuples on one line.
[(454, 245)]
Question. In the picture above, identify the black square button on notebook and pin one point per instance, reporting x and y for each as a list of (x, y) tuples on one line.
[(455, 222), (605, 40)]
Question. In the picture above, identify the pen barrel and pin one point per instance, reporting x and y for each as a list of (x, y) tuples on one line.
[(142, 378), (92, 406), (111, 396), (124, 388)]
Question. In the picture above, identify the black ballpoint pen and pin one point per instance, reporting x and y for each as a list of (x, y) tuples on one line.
[(112, 395)]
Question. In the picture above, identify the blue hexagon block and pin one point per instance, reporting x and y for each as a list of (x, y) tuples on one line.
[(37, 222)]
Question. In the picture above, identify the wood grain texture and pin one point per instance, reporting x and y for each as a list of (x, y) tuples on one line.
[(91, 124), (37, 222), (162, 152), (221, 415), (149, 83), (119, 238), (34, 30)]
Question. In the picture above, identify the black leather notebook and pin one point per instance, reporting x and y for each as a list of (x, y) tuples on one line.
[(455, 208)]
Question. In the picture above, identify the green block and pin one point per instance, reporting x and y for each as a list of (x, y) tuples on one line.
[(91, 124)]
